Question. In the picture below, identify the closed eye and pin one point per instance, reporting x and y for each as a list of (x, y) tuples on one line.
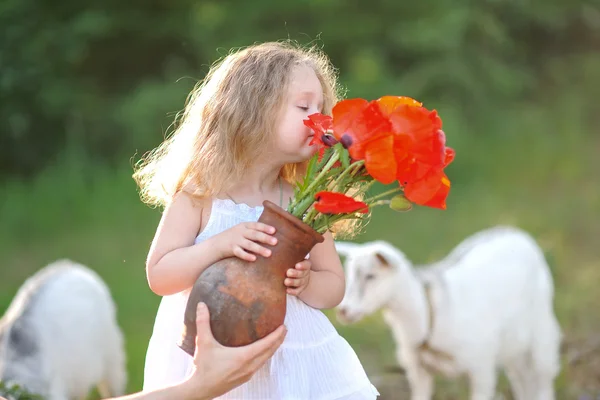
[(369, 277), (303, 108)]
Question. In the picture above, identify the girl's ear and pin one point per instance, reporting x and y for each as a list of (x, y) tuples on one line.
[(345, 248)]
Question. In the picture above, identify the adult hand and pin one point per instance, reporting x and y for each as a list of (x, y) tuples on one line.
[(219, 368)]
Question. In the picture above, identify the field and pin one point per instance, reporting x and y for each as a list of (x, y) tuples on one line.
[(544, 181)]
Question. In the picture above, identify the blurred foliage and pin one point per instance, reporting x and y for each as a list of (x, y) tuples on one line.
[(16, 392), (105, 78)]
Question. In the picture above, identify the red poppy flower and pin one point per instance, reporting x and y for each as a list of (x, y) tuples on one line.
[(389, 134), (356, 123), (432, 190), (320, 124), (419, 142), (417, 157), (321, 152), (449, 156), (338, 203), (424, 181), (397, 137)]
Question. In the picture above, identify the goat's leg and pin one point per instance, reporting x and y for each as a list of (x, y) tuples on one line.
[(103, 390), (517, 377), (482, 382), (545, 366), (114, 382), (56, 391), (539, 386), (421, 383), (544, 389), (536, 381)]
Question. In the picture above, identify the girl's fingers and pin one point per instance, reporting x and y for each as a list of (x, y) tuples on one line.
[(256, 248), (259, 226), (295, 273), (291, 282), (303, 265), (258, 236), (240, 253)]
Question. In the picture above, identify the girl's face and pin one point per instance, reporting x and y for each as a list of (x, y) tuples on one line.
[(305, 97)]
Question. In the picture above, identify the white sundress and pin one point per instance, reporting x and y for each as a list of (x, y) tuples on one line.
[(313, 363)]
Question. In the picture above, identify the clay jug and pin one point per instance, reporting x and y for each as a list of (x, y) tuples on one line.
[(247, 300)]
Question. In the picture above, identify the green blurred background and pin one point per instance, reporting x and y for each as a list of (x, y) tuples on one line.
[(87, 87)]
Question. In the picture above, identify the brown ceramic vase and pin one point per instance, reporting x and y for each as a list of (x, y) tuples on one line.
[(247, 300)]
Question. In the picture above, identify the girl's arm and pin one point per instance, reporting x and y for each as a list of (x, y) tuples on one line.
[(174, 262), (327, 283)]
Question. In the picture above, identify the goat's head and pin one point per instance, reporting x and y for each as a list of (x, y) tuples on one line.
[(371, 270)]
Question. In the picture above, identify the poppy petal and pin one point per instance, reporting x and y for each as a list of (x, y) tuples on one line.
[(320, 124), (450, 153), (430, 191), (380, 161), (338, 203), (439, 199), (357, 122), (388, 104)]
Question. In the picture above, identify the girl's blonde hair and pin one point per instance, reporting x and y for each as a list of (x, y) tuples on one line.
[(228, 119)]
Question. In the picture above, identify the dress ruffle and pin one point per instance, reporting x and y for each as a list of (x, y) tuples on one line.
[(313, 363)]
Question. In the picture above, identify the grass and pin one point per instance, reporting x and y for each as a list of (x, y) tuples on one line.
[(546, 185)]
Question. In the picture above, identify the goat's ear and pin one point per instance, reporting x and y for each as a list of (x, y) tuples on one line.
[(382, 260), (345, 248)]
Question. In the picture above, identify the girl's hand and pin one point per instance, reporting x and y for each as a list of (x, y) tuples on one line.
[(298, 278), (242, 240)]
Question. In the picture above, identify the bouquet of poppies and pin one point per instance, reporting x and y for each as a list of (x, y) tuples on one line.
[(391, 140)]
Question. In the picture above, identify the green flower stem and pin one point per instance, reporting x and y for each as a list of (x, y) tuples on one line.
[(323, 172), (352, 167), (380, 203), (333, 218), (322, 228), (303, 203), (358, 165), (368, 186), (384, 194), (327, 220), (310, 216)]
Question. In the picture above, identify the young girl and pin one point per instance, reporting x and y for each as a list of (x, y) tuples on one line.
[(242, 140)]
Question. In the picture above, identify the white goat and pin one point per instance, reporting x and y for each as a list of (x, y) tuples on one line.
[(59, 337), (488, 304)]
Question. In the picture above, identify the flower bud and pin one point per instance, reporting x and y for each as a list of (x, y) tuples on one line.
[(329, 140), (400, 203), (346, 141)]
